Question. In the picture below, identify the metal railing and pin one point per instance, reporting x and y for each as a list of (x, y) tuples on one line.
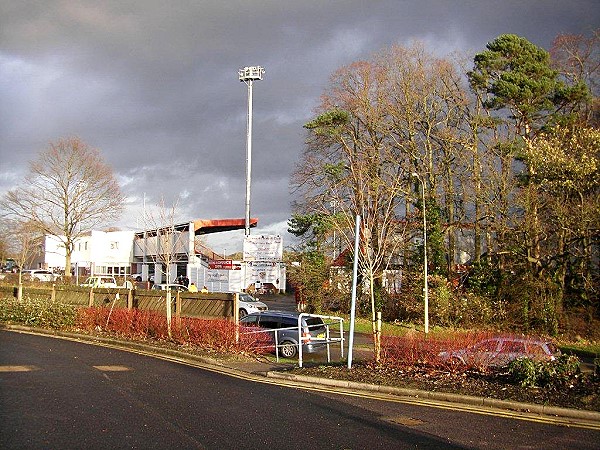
[(326, 341), (328, 338)]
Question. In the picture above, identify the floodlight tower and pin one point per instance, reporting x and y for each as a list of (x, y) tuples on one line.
[(248, 75)]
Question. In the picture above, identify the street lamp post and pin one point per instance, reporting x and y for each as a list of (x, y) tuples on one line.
[(425, 283), (248, 75)]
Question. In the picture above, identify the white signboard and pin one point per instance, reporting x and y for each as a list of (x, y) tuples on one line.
[(262, 272), (263, 248), (217, 276)]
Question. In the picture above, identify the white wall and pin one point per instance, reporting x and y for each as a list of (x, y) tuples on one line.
[(54, 252), (99, 248)]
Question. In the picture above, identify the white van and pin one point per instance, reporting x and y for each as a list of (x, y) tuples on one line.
[(100, 281)]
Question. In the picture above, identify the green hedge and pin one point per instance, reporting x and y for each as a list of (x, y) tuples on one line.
[(37, 312)]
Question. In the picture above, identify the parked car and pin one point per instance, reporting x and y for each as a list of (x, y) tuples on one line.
[(38, 275), (137, 277), (100, 281), (249, 304), (170, 286), (10, 266), (267, 289), (499, 351), (286, 325)]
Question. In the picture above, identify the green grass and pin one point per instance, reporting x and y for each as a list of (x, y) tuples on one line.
[(589, 350), (363, 325)]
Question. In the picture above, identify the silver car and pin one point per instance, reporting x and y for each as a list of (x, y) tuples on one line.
[(249, 304), (170, 287), (39, 275)]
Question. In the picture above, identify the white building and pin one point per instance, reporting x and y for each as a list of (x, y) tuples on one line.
[(95, 253), (148, 253)]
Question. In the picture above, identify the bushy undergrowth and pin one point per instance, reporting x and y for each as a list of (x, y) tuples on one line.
[(529, 373), (214, 335), (37, 312), (207, 334), (432, 353)]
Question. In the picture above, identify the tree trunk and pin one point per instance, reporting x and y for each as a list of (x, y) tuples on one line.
[(376, 336), (20, 286), (169, 316), (69, 252)]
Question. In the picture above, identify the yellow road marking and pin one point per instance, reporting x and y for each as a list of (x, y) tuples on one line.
[(112, 368), (17, 368), (515, 415), (481, 410)]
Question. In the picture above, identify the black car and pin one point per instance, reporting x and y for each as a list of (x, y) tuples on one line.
[(285, 324)]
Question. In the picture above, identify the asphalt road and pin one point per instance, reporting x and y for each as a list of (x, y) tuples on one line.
[(59, 394)]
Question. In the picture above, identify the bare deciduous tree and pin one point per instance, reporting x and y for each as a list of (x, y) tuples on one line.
[(380, 121), (164, 241), (68, 191), (577, 58), (24, 247)]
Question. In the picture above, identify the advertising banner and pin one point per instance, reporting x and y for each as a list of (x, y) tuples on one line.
[(262, 272), (263, 248), (223, 264), (217, 276)]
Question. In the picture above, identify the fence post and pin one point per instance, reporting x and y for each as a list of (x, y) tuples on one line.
[(236, 316), (53, 294), (178, 309), (91, 302), (130, 299)]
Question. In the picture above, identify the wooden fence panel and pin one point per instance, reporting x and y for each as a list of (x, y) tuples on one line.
[(192, 304), (205, 307), (73, 295), (152, 300)]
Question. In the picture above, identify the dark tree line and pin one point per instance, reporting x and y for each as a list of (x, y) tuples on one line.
[(503, 157)]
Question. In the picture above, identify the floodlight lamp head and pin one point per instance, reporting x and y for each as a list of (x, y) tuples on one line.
[(251, 73)]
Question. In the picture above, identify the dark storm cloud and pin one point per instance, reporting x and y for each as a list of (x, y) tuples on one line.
[(154, 86)]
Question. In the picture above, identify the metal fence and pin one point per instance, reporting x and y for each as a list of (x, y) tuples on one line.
[(330, 337)]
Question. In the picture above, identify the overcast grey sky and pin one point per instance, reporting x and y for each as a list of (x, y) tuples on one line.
[(154, 84)]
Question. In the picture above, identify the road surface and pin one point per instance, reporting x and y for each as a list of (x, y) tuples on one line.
[(61, 394)]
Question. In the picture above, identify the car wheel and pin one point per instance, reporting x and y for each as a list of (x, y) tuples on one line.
[(288, 349), (138, 279), (242, 313)]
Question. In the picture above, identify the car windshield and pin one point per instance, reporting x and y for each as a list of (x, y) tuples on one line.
[(247, 298)]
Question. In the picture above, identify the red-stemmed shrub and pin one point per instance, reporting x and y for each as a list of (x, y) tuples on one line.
[(206, 334), (432, 351)]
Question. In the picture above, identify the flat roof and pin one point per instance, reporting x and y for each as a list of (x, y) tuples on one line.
[(206, 226)]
